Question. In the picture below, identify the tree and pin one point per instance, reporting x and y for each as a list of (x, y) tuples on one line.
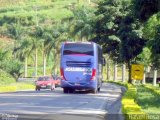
[(60, 34), (36, 37), (132, 42), (109, 17), (48, 46), (154, 45), (118, 31), (81, 25), (23, 51), (144, 9), (10, 64)]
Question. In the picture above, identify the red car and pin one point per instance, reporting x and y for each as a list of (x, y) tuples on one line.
[(45, 82)]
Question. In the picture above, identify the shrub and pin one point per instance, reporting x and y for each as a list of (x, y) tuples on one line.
[(130, 108), (153, 89), (6, 78)]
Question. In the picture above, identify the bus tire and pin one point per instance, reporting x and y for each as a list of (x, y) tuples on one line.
[(65, 90), (71, 90), (94, 91)]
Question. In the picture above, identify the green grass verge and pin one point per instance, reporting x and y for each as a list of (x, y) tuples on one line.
[(23, 86), (16, 87), (7, 89), (130, 108), (6, 78), (148, 98)]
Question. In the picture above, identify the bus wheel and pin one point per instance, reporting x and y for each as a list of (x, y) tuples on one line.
[(71, 90), (94, 91), (65, 90)]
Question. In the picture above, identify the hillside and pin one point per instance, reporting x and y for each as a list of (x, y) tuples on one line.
[(19, 17), (33, 12)]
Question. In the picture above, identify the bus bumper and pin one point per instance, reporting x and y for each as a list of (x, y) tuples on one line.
[(79, 86)]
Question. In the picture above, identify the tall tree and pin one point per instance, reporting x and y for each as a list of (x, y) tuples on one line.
[(23, 51), (132, 42), (144, 9), (36, 37), (81, 25), (118, 32)]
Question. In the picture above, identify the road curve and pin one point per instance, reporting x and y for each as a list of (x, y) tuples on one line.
[(55, 105)]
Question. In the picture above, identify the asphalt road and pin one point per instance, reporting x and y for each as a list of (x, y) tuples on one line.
[(55, 105)]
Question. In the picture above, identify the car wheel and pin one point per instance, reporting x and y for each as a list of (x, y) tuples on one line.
[(99, 89), (37, 88)]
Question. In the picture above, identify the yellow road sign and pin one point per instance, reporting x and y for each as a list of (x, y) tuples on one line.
[(137, 71)]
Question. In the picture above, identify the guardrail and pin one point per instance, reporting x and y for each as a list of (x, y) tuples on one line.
[(27, 79)]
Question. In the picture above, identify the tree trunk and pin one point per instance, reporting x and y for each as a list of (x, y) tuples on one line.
[(129, 72), (108, 70), (155, 77), (123, 72), (115, 72), (25, 67), (36, 62), (44, 64)]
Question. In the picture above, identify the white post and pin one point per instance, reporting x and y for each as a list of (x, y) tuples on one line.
[(25, 67), (115, 72), (108, 70), (44, 64), (36, 62), (144, 78), (155, 77), (89, 2), (123, 72)]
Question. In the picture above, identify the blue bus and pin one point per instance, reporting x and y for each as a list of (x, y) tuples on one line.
[(81, 66)]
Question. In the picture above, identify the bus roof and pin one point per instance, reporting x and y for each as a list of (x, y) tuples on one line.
[(79, 42)]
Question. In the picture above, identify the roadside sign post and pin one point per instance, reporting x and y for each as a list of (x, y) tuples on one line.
[(137, 72)]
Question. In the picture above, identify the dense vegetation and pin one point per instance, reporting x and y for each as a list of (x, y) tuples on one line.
[(148, 100), (31, 33), (128, 30)]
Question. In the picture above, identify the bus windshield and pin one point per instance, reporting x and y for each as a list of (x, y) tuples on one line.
[(80, 49)]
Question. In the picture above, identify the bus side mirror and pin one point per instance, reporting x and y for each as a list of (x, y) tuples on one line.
[(104, 61)]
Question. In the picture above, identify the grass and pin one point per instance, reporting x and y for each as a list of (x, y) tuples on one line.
[(23, 85), (149, 101), (54, 10), (16, 86)]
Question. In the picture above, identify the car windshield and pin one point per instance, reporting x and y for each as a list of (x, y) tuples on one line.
[(43, 78)]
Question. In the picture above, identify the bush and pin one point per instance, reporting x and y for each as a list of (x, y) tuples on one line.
[(130, 108), (6, 78), (153, 89)]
